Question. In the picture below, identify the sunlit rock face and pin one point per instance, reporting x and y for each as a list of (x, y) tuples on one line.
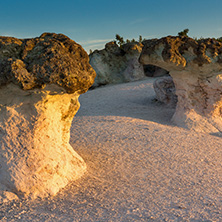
[(196, 69), (117, 65), (40, 82)]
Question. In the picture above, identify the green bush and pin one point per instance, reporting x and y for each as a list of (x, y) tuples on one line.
[(120, 40), (183, 33)]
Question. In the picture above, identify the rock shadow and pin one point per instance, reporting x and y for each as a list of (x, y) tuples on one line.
[(128, 100)]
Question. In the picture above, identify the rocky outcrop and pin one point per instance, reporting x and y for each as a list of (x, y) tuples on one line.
[(40, 82), (117, 65), (165, 91), (196, 69)]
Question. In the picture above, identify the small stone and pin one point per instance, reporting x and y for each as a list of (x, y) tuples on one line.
[(165, 91)]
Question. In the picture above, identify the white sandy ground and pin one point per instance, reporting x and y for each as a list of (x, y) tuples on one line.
[(140, 166)]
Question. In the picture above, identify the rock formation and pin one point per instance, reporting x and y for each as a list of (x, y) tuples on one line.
[(165, 91), (196, 69), (40, 82), (117, 65)]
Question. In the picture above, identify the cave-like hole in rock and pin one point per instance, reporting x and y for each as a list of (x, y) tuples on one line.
[(154, 71)]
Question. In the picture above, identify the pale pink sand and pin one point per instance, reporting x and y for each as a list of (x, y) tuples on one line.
[(140, 166)]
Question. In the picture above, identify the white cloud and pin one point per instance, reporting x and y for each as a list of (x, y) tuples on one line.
[(95, 41), (94, 44), (149, 36), (93, 47), (16, 34)]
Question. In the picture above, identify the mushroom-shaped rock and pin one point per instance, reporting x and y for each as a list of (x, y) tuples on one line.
[(40, 82), (196, 69), (116, 64)]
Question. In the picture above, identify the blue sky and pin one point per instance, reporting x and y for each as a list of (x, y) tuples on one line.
[(92, 23)]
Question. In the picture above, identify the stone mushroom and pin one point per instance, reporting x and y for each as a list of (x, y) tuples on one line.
[(196, 69), (40, 82)]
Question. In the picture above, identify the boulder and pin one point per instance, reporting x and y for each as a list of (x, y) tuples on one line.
[(40, 82), (165, 91), (196, 69), (116, 64)]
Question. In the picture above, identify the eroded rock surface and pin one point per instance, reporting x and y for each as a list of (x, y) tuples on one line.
[(48, 59), (196, 69), (40, 82), (117, 65)]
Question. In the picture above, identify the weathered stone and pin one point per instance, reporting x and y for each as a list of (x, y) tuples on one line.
[(117, 65), (41, 80), (48, 59), (196, 69), (165, 91)]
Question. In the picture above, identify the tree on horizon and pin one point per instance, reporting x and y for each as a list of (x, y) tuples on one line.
[(120, 40), (183, 33)]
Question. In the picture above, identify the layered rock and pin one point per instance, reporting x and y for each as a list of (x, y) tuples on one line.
[(196, 69), (40, 82), (117, 65)]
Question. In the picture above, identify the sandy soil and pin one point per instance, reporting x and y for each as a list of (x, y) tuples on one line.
[(140, 166)]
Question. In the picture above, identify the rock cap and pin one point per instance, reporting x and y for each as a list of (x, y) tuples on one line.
[(48, 59), (183, 53)]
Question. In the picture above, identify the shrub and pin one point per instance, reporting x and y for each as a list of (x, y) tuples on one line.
[(183, 33), (120, 40)]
